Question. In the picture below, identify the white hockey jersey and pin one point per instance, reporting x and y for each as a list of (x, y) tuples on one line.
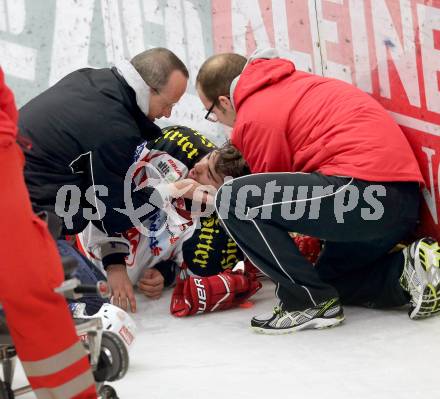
[(163, 233)]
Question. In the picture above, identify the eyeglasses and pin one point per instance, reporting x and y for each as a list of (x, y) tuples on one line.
[(210, 116), (167, 102)]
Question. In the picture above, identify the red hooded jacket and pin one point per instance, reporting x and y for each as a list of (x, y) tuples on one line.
[(8, 112), (289, 120)]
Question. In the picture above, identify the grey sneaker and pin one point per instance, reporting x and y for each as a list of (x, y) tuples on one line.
[(421, 277), (326, 314)]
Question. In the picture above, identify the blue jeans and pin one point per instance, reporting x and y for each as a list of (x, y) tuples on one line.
[(87, 273)]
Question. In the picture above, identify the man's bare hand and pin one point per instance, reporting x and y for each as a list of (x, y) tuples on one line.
[(184, 188), (151, 283), (201, 195), (121, 287)]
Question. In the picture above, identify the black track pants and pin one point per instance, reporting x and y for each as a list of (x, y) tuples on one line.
[(360, 222)]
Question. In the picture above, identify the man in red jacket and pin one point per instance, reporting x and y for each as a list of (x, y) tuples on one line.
[(38, 318), (329, 162)]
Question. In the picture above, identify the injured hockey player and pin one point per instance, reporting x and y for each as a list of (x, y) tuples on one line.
[(180, 239)]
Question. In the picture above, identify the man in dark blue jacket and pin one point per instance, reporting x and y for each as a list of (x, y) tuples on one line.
[(83, 133)]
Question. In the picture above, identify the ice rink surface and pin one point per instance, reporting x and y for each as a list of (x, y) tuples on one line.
[(373, 355)]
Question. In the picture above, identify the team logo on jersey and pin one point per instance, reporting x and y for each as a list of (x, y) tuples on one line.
[(139, 149)]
